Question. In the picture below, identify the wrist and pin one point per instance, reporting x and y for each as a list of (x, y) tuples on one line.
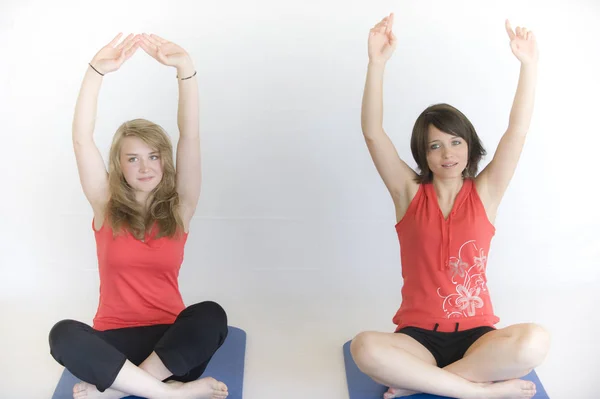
[(377, 63), (529, 70), (377, 66), (531, 65), (93, 68), (185, 68)]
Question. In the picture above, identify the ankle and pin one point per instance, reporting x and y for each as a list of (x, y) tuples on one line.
[(169, 391), (479, 390), (474, 392)]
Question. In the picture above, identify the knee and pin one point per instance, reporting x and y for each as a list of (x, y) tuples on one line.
[(364, 348), (533, 344), (208, 311), (62, 334), (211, 308)]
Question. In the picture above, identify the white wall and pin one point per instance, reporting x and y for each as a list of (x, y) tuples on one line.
[(294, 234)]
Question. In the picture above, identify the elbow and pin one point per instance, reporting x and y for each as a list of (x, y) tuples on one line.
[(517, 130), (81, 141), (366, 129), (371, 133)]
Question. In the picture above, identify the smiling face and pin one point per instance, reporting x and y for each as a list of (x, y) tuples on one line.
[(141, 164), (142, 180), (447, 154), (444, 144)]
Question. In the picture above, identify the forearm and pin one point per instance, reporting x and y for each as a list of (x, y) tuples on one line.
[(187, 110), (372, 103), (522, 108), (85, 109)]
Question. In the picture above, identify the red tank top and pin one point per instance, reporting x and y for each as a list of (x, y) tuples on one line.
[(444, 262), (138, 280)]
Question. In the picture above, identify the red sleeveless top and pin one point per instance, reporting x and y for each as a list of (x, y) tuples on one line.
[(138, 279), (444, 262)]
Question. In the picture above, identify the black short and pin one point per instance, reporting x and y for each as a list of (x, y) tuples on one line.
[(446, 347)]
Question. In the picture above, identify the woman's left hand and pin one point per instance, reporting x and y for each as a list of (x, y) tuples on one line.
[(522, 44), (164, 51)]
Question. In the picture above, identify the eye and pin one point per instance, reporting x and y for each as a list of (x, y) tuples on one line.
[(456, 142), (132, 159), (434, 147), (154, 157)]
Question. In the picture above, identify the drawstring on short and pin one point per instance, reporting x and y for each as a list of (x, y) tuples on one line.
[(437, 325)]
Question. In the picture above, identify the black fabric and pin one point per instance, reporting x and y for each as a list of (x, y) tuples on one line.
[(446, 347), (185, 347)]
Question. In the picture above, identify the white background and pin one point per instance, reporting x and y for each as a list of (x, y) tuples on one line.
[(294, 233)]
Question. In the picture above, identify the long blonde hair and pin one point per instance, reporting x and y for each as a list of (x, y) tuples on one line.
[(123, 211)]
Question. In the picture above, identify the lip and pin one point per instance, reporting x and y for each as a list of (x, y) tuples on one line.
[(146, 179), (449, 165)]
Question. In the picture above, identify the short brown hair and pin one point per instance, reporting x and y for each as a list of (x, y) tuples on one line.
[(449, 120)]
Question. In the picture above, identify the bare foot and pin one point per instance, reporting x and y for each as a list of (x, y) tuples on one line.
[(398, 393), (511, 389), (204, 388), (88, 391)]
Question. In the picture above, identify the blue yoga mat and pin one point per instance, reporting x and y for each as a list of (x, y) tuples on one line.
[(361, 386), (226, 365)]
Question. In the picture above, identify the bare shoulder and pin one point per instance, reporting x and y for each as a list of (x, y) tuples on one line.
[(404, 197)]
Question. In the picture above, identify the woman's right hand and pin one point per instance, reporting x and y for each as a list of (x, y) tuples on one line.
[(382, 41), (113, 55)]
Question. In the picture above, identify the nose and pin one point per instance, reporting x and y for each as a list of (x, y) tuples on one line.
[(143, 166)]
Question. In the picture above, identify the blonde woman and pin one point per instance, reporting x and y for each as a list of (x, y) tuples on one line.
[(144, 341)]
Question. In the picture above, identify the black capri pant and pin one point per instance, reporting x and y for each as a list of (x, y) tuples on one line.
[(185, 347)]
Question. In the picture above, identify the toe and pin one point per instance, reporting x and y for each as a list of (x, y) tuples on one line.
[(80, 390), (79, 387)]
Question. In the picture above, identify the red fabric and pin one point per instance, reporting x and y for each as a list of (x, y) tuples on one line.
[(444, 262), (138, 280)]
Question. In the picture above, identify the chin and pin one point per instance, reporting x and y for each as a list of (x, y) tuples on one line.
[(144, 189), (444, 174)]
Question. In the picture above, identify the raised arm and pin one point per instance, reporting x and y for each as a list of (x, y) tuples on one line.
[(92, 172), (188, 172), (494, 179), (396, 174)]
